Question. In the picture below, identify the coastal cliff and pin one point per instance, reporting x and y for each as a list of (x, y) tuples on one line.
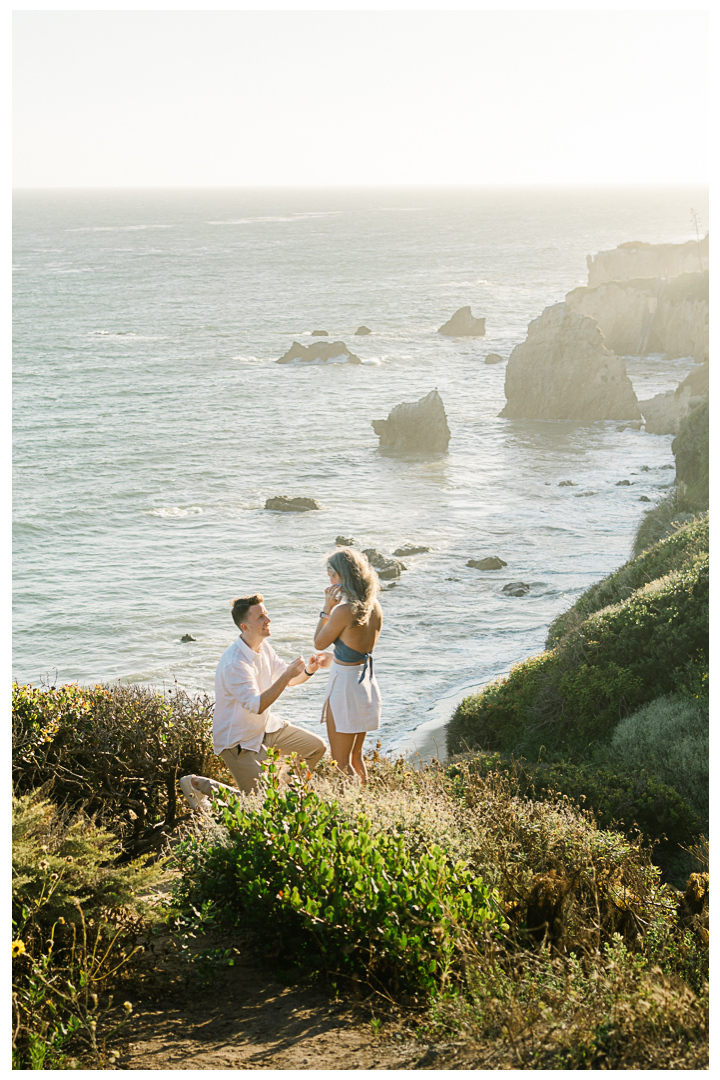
[(636, 259), (646, 315)]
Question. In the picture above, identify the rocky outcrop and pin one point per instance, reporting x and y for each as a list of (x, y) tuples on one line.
[(298, 504), (416, 425), (462, 324), (363, 331), (493, 358), (650, 315), (411, 549), (563, 371), (387, 568), (636, 259), (323, 351), (665, 412), (492, 562)]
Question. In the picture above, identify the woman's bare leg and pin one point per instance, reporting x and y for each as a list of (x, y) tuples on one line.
[(341, 744), (356, 757)]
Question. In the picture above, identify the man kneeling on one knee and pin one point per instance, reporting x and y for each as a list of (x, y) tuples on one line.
[(249, 679)]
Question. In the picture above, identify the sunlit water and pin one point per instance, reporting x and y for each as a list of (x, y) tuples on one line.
[(151, 423)]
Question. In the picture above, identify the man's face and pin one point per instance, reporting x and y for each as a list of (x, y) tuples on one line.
[(258, 621)]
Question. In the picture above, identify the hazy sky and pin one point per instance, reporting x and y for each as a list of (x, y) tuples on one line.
[(190, 98)]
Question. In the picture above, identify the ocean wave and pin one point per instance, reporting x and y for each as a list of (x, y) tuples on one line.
[(277, 217), (174, 511), (118, 228)]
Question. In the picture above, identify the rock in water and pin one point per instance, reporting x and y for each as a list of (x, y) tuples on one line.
[(415, 425), (387, 568), (562, 371), (516, 588), (320, 350), (492, 562), (362, 331), (298, 504), (319, 333), (462, 324), (410, 549), (493, 358), (344, 541), (188, 637)]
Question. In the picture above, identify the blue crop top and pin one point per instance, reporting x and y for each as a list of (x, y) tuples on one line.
[(344, 653)]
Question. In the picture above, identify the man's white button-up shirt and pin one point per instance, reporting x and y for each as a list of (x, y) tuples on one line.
[(241, 677)]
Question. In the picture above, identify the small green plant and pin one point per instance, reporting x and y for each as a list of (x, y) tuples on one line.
[(59, 983), (76, 921), (341, 898)]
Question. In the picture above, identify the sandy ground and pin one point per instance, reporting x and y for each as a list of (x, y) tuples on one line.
[(243, 1018)]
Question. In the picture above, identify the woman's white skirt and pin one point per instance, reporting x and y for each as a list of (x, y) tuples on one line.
[(355, 705)]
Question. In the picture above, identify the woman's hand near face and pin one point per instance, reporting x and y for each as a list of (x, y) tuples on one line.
[(333, 596)]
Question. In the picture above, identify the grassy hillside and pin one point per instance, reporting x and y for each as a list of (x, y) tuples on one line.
[(641, 633)]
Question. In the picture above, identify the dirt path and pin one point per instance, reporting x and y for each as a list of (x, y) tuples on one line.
[(244, 1018)]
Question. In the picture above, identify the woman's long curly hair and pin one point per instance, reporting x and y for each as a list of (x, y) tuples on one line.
[(358, 581)]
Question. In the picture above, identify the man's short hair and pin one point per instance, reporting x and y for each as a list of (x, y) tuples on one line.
[(242, 605)]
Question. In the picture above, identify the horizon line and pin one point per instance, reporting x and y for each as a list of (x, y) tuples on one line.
[(363, 187)]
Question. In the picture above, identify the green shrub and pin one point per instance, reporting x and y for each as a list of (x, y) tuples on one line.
[(622, 657), (621, 796), (345, 900), (76, 856), (670, 738), (118, 751)]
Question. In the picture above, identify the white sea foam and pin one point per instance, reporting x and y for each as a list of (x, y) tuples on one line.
[(175, 511), (278, 218), (117, 228)]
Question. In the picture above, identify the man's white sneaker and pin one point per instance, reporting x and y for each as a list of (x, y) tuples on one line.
[(195, 798)]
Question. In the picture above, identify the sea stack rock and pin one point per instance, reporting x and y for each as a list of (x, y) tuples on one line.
[(462, 324), (323, 351), (562, 371), (363, 331), (415, 425), (297, 505)]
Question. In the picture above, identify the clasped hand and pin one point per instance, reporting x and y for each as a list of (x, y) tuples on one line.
[(316, 661)]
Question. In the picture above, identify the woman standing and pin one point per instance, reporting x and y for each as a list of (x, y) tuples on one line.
[(351, 620)]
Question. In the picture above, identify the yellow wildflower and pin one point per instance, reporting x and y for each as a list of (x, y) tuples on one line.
[(18, 948)]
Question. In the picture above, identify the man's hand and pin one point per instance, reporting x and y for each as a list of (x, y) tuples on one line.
[(297, 667)]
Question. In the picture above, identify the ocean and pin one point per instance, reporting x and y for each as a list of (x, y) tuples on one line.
[(151, 423)]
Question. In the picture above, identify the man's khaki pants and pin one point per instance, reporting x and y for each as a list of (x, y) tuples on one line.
[(245, 764)]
